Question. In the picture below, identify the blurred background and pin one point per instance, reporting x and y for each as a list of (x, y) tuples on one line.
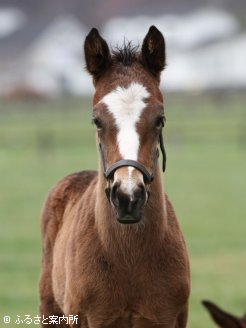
[(45, 131)]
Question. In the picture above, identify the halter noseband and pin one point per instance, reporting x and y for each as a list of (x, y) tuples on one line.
[(148, 177)]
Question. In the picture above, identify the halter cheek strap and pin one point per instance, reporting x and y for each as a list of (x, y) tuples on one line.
[(148, 177), (164, 156)]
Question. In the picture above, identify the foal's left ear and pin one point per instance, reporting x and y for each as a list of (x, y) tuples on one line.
[(97, 54), (153, 51)]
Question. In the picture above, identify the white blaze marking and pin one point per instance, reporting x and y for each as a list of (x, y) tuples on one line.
[(126, 106)]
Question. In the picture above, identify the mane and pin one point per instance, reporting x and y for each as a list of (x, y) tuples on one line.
[(127, 54)]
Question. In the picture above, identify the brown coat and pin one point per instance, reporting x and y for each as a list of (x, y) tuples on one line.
[(107, 273)]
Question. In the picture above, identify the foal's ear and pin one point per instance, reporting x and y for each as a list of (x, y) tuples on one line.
[(153, 51), (97, 54), (223, 319)]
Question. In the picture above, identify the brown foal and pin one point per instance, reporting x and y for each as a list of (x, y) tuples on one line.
[(113, 252)]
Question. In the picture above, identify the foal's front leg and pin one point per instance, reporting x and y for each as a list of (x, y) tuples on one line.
[(182, 319), (48, 306)]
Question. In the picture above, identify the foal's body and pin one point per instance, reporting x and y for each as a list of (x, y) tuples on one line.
[(108, 273), (135, 278)]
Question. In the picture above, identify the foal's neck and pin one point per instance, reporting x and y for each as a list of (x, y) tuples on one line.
[(131, 242)]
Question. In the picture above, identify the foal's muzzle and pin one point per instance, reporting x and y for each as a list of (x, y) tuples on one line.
[(129, 208)]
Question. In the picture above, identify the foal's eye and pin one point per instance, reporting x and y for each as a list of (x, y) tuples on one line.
[(98, 122), (159, 123)]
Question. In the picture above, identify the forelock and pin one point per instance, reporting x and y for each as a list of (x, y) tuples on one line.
[(127, 54)]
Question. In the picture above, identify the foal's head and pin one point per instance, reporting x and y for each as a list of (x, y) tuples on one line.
[(129, 115)]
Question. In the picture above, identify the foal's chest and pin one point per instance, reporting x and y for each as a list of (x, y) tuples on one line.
[(146, 297)]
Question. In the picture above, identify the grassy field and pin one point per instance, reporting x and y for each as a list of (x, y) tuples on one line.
[(205, 179)]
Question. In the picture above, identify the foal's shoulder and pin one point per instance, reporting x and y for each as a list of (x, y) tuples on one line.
[(69, 188), (169, 207), (78, 181), (171, 215), (74, 184), (66, 191)]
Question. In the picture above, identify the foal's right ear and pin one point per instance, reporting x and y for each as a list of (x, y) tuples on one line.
[(222, 318), (97, 54)]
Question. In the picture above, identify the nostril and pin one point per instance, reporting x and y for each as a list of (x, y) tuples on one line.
[(113, 194), (140, 191), (140, 195)]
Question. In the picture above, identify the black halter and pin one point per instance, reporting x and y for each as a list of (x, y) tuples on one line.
[(148, 176)]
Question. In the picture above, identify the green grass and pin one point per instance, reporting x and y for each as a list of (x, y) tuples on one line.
[(205, 138)]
